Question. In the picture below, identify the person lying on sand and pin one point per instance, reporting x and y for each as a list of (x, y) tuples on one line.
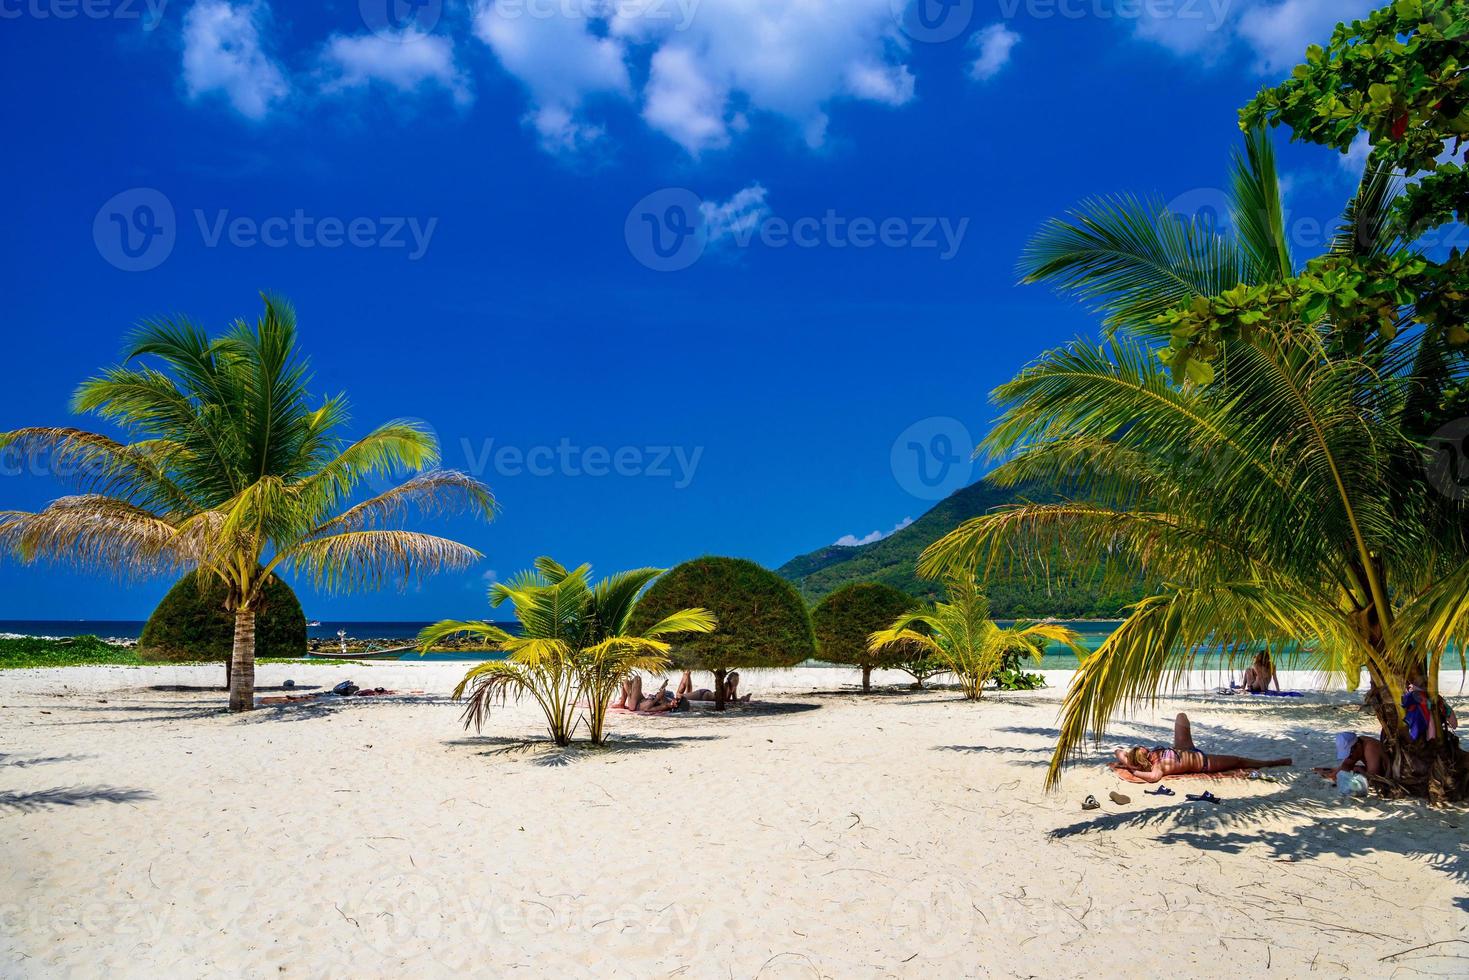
[(1261, 674), (633, 699), (686, 689), (1155, 764)]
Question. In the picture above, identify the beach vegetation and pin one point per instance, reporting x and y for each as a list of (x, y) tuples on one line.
[(763, 622), (843, 621), (1281, 445), (576, 644), (193, 623), (958, 633), (229, 466)]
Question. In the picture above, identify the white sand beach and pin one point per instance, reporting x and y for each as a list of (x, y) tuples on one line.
[(821, 833)]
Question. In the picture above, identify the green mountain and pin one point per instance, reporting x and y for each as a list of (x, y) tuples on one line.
[(894, 560)]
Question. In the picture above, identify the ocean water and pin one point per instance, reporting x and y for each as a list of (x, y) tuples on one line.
[(1093, 634)]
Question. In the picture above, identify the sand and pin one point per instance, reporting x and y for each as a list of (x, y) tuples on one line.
[(144, 832)]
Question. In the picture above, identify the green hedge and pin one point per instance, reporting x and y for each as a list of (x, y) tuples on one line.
[(762, 620), (191, 623), (844, 619)]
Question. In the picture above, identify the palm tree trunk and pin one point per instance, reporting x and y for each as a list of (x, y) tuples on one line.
[(866, 678), (242, 662), (719, 689)]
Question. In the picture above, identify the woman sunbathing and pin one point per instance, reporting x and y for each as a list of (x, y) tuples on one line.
[(1153, 765), (633, 699), (1261, 674), (686, 688)]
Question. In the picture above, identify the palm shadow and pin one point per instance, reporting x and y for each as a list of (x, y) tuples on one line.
[(50, 799), (543, 752), (20, 762)]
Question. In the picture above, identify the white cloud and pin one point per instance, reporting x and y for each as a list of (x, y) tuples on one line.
[(852, 541), (1280, 33), (994, 45), (1275, 32), (559, 61), (737, 217), (406, 61), (223, 54), (1354, 161), (681, 102), (710, 67)]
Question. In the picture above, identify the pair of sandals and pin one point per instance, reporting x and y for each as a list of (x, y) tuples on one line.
[(1121, 799), (1090, 803)]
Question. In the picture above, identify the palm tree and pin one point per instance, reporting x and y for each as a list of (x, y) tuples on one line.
[(1283, 499), (229, 468), (959, 634), (576, 644)]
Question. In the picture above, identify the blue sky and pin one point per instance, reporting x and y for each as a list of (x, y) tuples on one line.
[(674, 277)]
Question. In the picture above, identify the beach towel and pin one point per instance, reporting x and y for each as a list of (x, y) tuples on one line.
[(1129, 777), (1277, 694)]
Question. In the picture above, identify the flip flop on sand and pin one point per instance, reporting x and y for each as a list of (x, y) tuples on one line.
[(1204, 797), (1090, 803), (1121, 799), (1160, 791)]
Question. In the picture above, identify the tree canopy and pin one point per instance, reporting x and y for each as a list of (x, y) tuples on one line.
[(762, 620), (843, 621)]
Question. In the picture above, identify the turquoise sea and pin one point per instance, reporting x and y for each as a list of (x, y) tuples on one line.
[(393, 633)]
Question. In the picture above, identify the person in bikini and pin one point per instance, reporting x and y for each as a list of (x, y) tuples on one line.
[(1261, 674), (1184, 757), (633, 699), (687, 690)]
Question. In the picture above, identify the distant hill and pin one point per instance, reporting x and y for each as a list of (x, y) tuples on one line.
[(894, 560)]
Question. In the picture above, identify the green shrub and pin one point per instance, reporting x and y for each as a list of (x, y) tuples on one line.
[(191, 623), (763, 621), (844, 620)]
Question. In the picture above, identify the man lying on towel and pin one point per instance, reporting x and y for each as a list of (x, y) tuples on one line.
[(1153, 765)]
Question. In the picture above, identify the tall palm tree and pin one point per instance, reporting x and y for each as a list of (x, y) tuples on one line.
[(229, 467), (1285, 502), (576, 644), (959, 635)]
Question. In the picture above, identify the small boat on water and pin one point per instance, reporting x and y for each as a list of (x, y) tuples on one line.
[(392, 653), (314, 622)]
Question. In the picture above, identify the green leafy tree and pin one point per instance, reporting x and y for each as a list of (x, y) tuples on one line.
[(1284, 495), (959, 633), (230, 469), (843, 620), (762, 620), (576, 644), (192, 623)]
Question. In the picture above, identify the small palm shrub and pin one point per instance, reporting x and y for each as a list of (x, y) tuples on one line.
[(575, 648), (959, 634)]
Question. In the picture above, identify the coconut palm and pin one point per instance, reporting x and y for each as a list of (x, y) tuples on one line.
[(1287, 501), (576, 645), (959, 634), (230, 468)]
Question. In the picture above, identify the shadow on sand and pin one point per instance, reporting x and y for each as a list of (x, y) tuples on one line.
[(542, 752), (50, 799)]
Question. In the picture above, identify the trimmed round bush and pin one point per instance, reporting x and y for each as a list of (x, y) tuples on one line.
[(844, 619), (763, 621), (191, 623)]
